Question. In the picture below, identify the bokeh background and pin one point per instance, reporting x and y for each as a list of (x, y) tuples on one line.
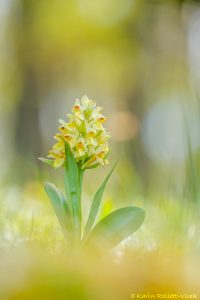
[(140, 60)]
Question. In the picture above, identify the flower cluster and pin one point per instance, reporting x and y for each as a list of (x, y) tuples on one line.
[(85, 134)]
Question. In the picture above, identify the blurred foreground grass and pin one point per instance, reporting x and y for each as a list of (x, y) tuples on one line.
[(162, 257), (45, 276)]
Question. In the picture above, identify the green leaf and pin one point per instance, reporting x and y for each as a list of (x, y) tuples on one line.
[(92, 166), (60, 206), (115, 227), (46, 161), (71, 170), (96, 204)]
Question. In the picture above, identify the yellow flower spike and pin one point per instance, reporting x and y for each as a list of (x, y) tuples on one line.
[(91, 149), (58, 162), (92, 142), (68, 137), (59, 146), (101, 118), (62, 122), (62, 129), (80, 144), (52, 154), (84, 133), (76, 108), (90, 162), (96, 112), (58, 137), (85, 101), (91, 133)]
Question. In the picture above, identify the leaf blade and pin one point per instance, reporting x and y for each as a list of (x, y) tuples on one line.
[(115, 227), (72, 170), (96, 203), (46, 161), (60, 206)]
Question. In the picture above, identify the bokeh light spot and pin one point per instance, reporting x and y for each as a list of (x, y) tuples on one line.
[(164, 131)]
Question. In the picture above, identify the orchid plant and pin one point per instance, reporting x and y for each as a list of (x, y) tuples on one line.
[(82, 143)]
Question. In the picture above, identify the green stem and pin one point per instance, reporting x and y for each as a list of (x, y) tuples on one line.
[(78, 207), (76, 218), (74, 197), (67, 191)]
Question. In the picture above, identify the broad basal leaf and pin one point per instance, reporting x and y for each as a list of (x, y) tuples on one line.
[(115, 227), (60, 206)]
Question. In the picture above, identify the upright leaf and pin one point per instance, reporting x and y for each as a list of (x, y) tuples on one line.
[(71, 170), (96, 204), (60, 206), (115, 227)]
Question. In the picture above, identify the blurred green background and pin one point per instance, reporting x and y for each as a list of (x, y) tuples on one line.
[(140, 61)]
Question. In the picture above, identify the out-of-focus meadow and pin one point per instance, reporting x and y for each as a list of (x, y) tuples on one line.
[(140, 60)]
